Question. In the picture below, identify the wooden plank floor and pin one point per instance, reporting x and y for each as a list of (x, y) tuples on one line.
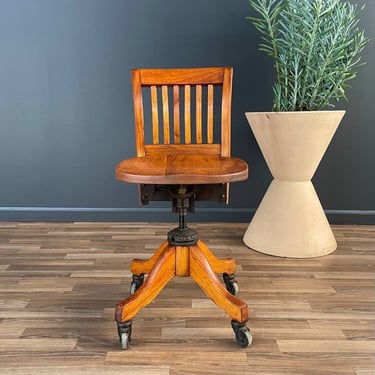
[(59, 284)]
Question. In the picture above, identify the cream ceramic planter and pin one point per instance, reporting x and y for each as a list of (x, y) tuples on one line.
[(290, 221)]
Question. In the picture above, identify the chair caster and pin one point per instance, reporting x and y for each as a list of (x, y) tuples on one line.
[(124, 332), (231, 284), (243, 334), (137, 281)]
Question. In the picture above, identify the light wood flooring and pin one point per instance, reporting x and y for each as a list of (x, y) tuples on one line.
[(60, 282)]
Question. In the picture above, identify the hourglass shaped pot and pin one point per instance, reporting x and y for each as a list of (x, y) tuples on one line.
[(290, 221)]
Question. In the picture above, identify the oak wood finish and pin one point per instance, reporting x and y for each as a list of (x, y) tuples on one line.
[(204, 81), (186, 79), (181, 169), (170, 261), (60, 281), (162, 272), (173, 161)]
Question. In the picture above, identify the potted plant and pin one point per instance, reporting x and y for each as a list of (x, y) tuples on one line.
[(316, 47)]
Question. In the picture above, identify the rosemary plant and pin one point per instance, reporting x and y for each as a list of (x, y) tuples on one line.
[(316, 47)]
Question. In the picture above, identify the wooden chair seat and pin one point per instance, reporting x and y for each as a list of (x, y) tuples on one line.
[(181, 169)]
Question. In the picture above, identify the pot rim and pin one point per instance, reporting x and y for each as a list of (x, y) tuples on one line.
[(283, 113)]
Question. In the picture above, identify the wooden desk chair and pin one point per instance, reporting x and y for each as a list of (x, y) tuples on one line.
[(182, 160)]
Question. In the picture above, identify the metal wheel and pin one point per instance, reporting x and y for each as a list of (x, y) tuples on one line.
[(231, 284), (244, 338), (124, 341), (124, 333), (133, 288), (243, 335), (137, 281)]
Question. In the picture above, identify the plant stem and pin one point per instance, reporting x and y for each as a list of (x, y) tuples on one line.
[(317, 6)]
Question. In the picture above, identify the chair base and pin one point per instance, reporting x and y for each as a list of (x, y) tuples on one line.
[(196, 261)]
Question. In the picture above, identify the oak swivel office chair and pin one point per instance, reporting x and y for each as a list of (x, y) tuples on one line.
[(181, 159)]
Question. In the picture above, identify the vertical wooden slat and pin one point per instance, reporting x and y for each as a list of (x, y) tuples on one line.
[(187, 115), (210, 114), (198, 113), (226, 112), (176, 114), (168, 80), (138, 112), (155, 115), (164, 92)]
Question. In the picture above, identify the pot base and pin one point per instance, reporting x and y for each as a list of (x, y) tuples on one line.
[(290, 222)]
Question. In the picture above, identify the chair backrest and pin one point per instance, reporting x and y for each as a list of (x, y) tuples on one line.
[(189, 110)]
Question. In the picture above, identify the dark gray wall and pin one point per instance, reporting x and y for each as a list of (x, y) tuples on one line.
[(66, 114)]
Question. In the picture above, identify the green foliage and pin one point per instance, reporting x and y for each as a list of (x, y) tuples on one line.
[(316, 46)]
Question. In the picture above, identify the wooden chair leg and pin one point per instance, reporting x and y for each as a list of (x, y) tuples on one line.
[(201, 265), (202, 272), (139, 266), (227, 265), (160, 275)]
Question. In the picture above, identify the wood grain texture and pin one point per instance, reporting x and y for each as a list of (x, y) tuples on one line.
[(181, 169), (59, 283), (187, 114), (202, 76), (155, 115), (165, 100), (176, 115), (210, 114), (198, 112), (197, 84), (196, 261), (213, 149)]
